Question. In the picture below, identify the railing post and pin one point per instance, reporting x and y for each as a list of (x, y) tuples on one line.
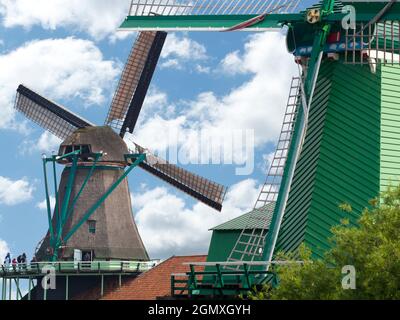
[(29, 288), (246, 274), (5, 289), (66, 287), (172, 285), (102, 284), (193, 274), (275, 278), (2, 289), (219, 274), (45, 292), (18, 292)]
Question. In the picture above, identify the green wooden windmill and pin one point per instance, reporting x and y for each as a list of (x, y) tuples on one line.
[(339, 138)]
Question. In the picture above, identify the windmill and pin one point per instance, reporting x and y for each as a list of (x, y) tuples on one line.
[(337, 141), (93, 189)]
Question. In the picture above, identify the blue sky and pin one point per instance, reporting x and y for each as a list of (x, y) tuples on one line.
[(69, 51)]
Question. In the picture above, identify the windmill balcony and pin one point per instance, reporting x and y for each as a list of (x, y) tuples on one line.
[(76, 267)]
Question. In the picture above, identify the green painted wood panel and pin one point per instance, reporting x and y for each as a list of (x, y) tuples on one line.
[(222, 242), (390, 126), (340, 160)]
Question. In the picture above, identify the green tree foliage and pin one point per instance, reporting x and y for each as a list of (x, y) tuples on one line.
[(373, 248)]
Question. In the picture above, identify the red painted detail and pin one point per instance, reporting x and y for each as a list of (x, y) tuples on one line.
[(248, 23), (334, 37)]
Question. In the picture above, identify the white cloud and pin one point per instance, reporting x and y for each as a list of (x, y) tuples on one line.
[(258, 104), (122, 35), (171, 63), (43, 205), (179, 50), (15, 192), (168, 226), (232, 63), (202, 69), (47, 143), (155, 99), (59, 68), (4, 249), (156, 102), (183, 47), (99, 18)]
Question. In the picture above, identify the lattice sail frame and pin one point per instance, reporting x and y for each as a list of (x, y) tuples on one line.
[(207, 191), (211, 7), (129, 80), (48, 114)]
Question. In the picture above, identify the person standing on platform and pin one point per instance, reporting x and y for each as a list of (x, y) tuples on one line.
[(7, 260)]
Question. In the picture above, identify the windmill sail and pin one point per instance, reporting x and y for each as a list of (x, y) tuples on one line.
[(126, 107), (206, 15), (135, 81), (204, 190), (47, 114), (210, 7)]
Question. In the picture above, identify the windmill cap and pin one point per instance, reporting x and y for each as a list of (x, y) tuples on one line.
[(99, 140)]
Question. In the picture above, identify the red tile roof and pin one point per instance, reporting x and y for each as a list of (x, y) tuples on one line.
[(155, 283)]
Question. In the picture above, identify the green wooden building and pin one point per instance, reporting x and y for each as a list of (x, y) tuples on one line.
[(225, 236)]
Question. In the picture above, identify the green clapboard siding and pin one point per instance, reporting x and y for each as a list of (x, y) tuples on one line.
[(222, 242), (225, 235), (390, 127), (340, 157), (255, 219)]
